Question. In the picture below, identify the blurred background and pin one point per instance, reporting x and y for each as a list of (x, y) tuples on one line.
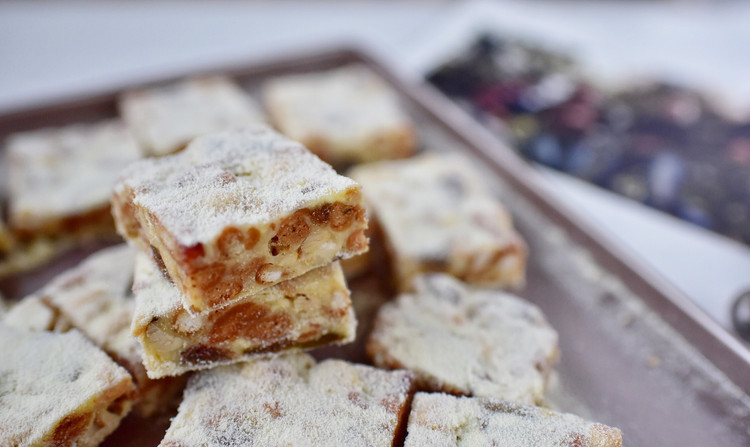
[(638, 113)]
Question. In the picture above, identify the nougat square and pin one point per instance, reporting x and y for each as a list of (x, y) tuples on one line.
[(58, 389), (292, 401), (467, 341), (238, 211), (435, 215), (166, 118), (60, 179), (95, 297), (438, 420), (310, 310), (346, 115)]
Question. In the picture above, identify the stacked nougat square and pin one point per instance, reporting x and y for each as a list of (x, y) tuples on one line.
[(238, 237)]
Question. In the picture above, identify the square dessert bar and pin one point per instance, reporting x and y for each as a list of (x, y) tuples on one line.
[(238, 211), (436, 216), (95, 297), (347, 115), (165, 119), (58, 390), (60, 179), (311, 310), (466, 341), (292, 401), (441, 420)]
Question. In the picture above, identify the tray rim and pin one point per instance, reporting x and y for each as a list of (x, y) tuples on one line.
[(714, 342)]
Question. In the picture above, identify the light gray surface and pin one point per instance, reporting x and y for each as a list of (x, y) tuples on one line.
[(56, 50)]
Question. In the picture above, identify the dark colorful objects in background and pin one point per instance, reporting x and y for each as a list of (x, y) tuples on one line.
[(660, 144)]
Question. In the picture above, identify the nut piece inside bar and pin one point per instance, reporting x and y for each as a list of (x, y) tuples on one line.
[(346, 115), (291, 400), (59, 180), (165, 119), (441, 420), (59, 389), (311, 310), (95, 297), (238, 211), (436, 216), (466, 341)]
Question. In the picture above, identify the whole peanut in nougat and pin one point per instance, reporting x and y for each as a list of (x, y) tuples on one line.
[(238, 211)]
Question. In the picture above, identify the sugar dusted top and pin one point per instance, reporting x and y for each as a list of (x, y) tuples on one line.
[(166, 118), (473, 341), (289, 400), (96, 297), (46, 376), (342, 105), (58, 172), (250, 176), (440, 420), (433, 205)]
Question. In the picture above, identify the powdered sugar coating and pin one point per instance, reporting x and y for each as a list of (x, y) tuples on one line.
[(436, 215), (441, 420), (236, 178), (62, 172), (33, 314), (166, 118), (96, 294), (466, 341), (46, 377), (95, 297), (347, 114), (289, 400)]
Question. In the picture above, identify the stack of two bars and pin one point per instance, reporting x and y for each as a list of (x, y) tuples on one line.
[(239, 235)]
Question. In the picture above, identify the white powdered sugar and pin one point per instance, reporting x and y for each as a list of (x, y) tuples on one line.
[(33, 314), (166, 118), (45, 377), (248, 176), (441, 420), (466, 341), (155, 297), (56, 173), (344, 107), (437, 216), (289, 400), (95, 297), (432, 206)]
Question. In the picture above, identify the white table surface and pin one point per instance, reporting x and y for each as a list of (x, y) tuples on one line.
[(51, 51)]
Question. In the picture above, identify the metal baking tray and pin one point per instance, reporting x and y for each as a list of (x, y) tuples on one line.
[(636, 353)]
